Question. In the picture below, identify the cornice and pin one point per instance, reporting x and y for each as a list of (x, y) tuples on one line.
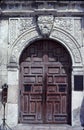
[(35, 7), (23, 13)]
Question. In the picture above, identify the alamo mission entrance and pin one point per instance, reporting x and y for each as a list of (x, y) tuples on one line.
[(45, 83)]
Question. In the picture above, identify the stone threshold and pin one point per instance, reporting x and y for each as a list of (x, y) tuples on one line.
[(46, 127)]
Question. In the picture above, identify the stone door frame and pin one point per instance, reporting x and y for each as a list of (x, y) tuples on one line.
[(14, 53)]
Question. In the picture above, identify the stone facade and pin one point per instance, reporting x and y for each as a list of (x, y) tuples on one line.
[(24, 22)]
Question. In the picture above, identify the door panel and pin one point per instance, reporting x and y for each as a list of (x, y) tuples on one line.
[(45, 83)]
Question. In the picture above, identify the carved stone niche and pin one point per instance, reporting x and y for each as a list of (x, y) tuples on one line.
[(45, 24)]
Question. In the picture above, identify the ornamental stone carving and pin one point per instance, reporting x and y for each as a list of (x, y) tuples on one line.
[(57, 34), (69, 42), (65, 23), (21, 43), (70, 25), (13, 29), (45, 24), (17, 26), (78, 30), (26, 23)]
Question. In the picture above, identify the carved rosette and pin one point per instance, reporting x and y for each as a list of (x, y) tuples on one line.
[(45, 24)]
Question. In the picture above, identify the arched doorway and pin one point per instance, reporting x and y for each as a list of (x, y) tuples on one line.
[(45, 83)]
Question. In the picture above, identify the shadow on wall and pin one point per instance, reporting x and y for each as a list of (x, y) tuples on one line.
[(82, 113)]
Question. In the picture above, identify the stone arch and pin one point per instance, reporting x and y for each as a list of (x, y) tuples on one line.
[(57, 34)]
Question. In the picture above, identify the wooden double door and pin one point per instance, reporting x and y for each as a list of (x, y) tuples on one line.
[(45, 83)]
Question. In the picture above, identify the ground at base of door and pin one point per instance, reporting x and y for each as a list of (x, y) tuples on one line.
[(46, 127)]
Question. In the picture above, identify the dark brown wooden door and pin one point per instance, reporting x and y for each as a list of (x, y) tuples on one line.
[(45, 83)]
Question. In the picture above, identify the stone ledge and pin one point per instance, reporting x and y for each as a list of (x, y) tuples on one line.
[(16, 13)]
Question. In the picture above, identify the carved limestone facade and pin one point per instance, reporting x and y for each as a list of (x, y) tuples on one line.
[(23, 25)]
